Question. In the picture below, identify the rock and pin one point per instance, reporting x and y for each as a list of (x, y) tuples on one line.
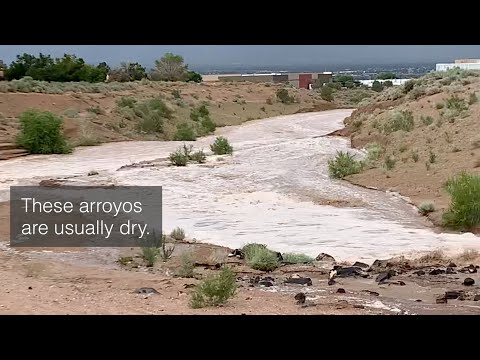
[(265, 283), (248, 298), (437, 272), (382, 277), (188, 286), (325, 257), (268, 278), (340, 291), (358, 307), (331, 282), (349, 271), (476, 297), (331, 274), (419, 272), (418, 300), (49, 183), (255, 280), (441, 300), (93, 173), (237, 253), (360, 265), (468, 282), (450, 271), (299, 281), (373, 293), (30, 288), (145, 290), (300, 297), (401, 283), (472, 269), (452, 265), (453, 294)]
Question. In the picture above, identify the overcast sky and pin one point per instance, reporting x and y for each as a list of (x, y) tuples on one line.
[(254, 54)]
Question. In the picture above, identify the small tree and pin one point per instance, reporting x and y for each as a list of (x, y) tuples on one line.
[(377, 86), (41, 133), (171, 68), (326, 93)]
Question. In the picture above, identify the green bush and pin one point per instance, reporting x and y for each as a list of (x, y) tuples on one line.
[(284, 97), (178, 233), (374, 151), (377, 86), (176, 94), (221, 146), (126, 102), (208, 125), (344, 164), (408, 86), (198, 157), (439, 106), (326, 93), (259, 257), (150, 255), (216, 290), (185, 132), (390, 162), (426, 207), (464, 210), (41, 133), (178, 158), (401, 120), (292, 258), (426, 120), (152, 114), (187, 266), (456, 104)]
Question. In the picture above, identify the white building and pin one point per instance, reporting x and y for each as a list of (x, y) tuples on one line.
[(395, 82), (464, 64)]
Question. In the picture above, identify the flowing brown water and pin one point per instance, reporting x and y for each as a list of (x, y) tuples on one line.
[(270, 191)]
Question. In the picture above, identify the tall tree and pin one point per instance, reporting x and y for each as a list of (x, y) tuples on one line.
[(171, 68)]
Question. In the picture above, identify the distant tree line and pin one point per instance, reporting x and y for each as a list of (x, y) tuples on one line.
[(71, 68)]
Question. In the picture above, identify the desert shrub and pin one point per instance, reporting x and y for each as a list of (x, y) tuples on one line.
[(199, 113), (388, 83), (401, 120), (415, 156), (269, 101), (377, 86), (326, 93), (221, 146), (187, 266), (403, 148), (263, 109), (390, 162), (126, 102), (426, 207), (208, 125), (344, 164), (166, 252), (176, 94), (292, 258), (150, 255), (178, 233), (284, 97), (439, 106), (472, 99), (426, 120), (432, 157), (178, 158), (417, 93), (259, 257), (408, 86), (185, 132), (152, 114), (374, 151), (216, 290), (97, 110), (198, 157), (41, 133), (464, 210), (456, 104)]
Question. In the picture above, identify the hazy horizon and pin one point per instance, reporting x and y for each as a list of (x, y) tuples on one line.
[(254, 55)]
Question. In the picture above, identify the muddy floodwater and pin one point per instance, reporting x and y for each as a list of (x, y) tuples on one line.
[(273, 190)]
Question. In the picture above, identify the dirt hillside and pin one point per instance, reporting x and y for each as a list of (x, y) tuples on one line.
[(92, 114), (427, 134)]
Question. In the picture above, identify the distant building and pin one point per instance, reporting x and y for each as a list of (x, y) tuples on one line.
[(464, 64), (395, 82), (298, 80)]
